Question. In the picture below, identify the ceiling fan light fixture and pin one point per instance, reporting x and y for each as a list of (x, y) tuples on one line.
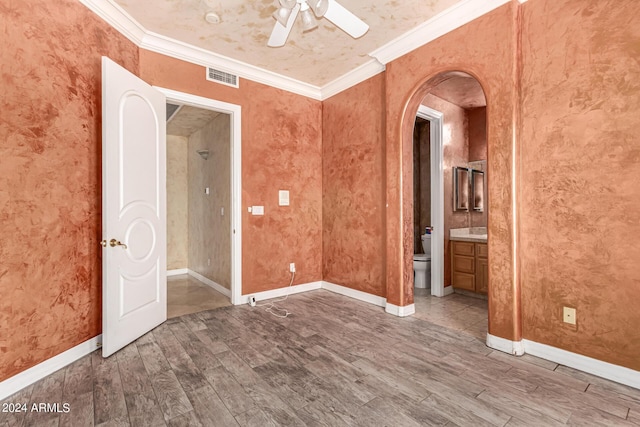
[(309, 21), (282, 15), (319, 7)]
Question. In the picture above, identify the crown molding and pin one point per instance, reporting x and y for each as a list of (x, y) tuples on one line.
[(363, 72), (115, 16), (444, 22), (124, 23), (186, 52)]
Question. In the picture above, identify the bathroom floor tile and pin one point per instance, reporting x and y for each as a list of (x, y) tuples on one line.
[(456, 311), (186, 295)]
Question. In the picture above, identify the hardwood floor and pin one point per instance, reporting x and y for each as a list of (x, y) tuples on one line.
[(334, 361)]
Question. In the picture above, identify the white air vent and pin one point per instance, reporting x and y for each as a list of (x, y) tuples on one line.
[(222, 77)]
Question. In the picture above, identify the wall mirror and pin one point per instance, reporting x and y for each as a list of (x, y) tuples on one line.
[(468, 189), (460, 189), (477, 185)]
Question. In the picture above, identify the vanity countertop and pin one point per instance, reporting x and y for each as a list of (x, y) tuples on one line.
[(475, 234)]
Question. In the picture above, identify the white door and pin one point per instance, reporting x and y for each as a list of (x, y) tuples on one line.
[(134, 254)]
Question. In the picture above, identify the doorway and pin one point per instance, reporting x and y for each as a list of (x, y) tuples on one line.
[(435, 209), (454, 110), (204, 257)]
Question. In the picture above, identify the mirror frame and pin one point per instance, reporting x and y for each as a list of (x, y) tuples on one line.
[(460, 189), (477, 190)]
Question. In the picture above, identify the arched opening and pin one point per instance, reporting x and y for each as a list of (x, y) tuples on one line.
[(448, 163)]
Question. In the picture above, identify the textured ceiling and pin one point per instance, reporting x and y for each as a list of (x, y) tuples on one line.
[(317, 57), (189, 120), (465, 92)]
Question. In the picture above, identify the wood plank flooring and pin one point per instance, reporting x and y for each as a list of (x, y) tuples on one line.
[(333, 362)]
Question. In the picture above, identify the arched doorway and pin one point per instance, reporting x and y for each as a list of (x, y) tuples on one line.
[(455, 102)]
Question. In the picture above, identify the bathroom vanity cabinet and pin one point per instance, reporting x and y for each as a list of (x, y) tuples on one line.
[(469, 266)]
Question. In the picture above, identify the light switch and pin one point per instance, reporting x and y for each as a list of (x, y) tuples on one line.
[(206, 190), (283, 198), (257, 210), (221, 211)]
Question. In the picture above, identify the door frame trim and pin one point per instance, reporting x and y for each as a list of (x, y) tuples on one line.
[(437, 197), (235, 111)]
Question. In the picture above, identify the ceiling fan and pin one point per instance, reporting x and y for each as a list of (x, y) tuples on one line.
[(332, 10)]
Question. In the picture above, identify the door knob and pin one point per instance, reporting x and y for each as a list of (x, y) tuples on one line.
[(103, 243), (113, 243)]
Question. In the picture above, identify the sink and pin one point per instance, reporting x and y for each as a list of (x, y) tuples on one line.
[(473, 234)]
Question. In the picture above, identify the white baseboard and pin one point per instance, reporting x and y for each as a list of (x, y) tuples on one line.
[(280, 292), (353, 293), (448, 290), (26, 378), (407, 310), (217, 286), (403, 311), (507, 346), (177, 272), (612, 372)]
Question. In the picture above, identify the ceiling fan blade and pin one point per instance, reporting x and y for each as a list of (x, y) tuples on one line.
[(280, 33), (345, 20)]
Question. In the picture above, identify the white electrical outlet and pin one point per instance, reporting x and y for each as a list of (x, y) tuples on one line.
[(292, 267), (569, 315), (208, 261)]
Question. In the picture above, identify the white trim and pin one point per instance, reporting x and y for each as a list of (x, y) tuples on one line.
[(235, 111), (590, 365), (353, 293), (448, 290), (25, 378), (280, 292), (507, 346), (217, 286), (437, 198), (195, 55), (448, 20), (403, 311), (116, 16), (177, 272), (586, 364), (357, 75)]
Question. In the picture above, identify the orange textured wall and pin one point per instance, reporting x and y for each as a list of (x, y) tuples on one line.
[(490, 58), (580, 173), (477, 118), (455, 152), (50, 157), (281, 150), (353, 187)]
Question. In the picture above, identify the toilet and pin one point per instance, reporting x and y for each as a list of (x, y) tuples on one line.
[(422, 264)]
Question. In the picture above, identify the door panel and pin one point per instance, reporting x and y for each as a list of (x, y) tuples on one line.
[(133, 207)]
